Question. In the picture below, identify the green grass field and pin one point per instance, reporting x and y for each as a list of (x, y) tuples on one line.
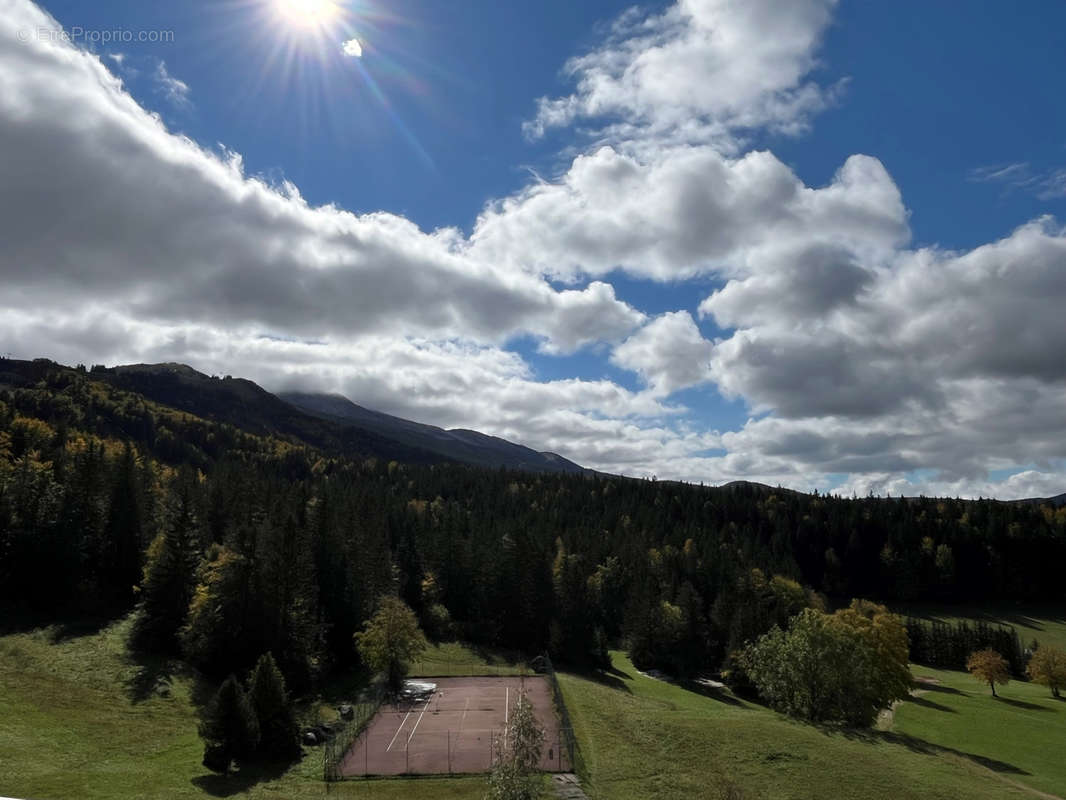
[(645, 739), (82, 720), (79, 720), (1022, 733), (1046, 625), (452, 659)]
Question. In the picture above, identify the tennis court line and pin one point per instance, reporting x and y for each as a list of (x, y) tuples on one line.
[(415, 728), (404, 722)]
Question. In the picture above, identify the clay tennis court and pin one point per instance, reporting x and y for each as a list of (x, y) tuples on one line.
[(452, 730)]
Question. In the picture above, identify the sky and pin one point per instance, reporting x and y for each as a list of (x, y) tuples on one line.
[(810, 243)]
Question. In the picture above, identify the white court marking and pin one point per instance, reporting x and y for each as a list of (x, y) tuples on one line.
[(415, 728), (387, 749), (462, 721)]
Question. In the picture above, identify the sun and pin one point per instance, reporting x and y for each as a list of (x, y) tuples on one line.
[(313, 14)]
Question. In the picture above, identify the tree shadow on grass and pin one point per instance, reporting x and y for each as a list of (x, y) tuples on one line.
[(916, 745), (152, 676), (77, 628), (610, 678), (1022, 704), (939, 687), (720, 695), (918, 700), (237, 782)]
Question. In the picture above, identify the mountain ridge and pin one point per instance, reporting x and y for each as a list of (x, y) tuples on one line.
[(461, 444)]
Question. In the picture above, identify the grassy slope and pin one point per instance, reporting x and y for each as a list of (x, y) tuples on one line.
[(72, 725), (1024, 729), (646, 739), (452, 659), (1046, 625)]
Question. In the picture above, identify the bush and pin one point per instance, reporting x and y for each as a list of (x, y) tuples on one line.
[(843, 667)]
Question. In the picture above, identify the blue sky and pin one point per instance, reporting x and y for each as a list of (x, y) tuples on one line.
[(777, 241)]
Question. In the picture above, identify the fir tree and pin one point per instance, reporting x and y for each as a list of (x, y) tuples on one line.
[(230, 729), (279, 735)]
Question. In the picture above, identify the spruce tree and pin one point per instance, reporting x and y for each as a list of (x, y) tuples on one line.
[(230, 729), (169, 579), (278, 733)]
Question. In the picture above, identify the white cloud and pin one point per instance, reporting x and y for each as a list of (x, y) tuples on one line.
[(173, 89), (352, 48), (669, 353), (702, 70), (1046, 184), (685, 212), (905, 370)]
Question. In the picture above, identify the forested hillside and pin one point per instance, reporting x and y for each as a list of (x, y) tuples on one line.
[(234, 542)]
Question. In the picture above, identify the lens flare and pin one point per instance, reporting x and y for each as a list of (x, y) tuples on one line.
[(307, 13)]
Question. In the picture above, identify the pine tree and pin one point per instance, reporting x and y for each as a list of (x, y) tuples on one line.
[(169, 579), (279, 735), (230, 729), (122, 534)]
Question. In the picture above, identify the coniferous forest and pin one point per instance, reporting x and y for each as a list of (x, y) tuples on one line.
[(231, 543)]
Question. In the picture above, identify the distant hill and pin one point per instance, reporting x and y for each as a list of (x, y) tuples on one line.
[(1057, 501), (329, 423), (468, 446)]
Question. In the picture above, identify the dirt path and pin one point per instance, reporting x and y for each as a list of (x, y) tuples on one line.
[(568, 787)]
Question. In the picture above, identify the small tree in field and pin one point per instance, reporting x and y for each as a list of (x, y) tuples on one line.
[(391, 640), (516, 756), (989, 667), (1048, 667), (279, 734), (230, 729)]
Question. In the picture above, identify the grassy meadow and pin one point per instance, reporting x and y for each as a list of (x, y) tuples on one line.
[(78, 719), (1046, 625), (1021, 734), (453, 659), (643, 738), (81, 719)]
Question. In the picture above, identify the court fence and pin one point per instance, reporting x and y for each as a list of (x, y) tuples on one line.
[(543, 665), (434, 752), (447, 669), (335, 749)]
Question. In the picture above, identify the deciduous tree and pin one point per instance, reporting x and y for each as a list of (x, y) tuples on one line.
[(1048, 668), (391, 640), (516, 756), (990, 667)]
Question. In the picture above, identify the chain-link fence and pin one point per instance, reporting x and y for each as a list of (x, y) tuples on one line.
[(439, 753), (335, 750), (543, 665)]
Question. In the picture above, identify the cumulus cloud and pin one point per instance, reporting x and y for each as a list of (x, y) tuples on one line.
[(900, 369), (352, 48), (669, 353), (700, 71), (167, 231), (689, 211)]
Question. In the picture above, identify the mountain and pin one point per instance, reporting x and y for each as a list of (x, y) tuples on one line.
[(468, 446), (328, 423)]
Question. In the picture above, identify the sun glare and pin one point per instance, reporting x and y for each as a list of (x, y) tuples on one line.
[(307, 13)]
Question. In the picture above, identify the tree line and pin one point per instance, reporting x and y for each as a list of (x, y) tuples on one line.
[(231, 544)]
